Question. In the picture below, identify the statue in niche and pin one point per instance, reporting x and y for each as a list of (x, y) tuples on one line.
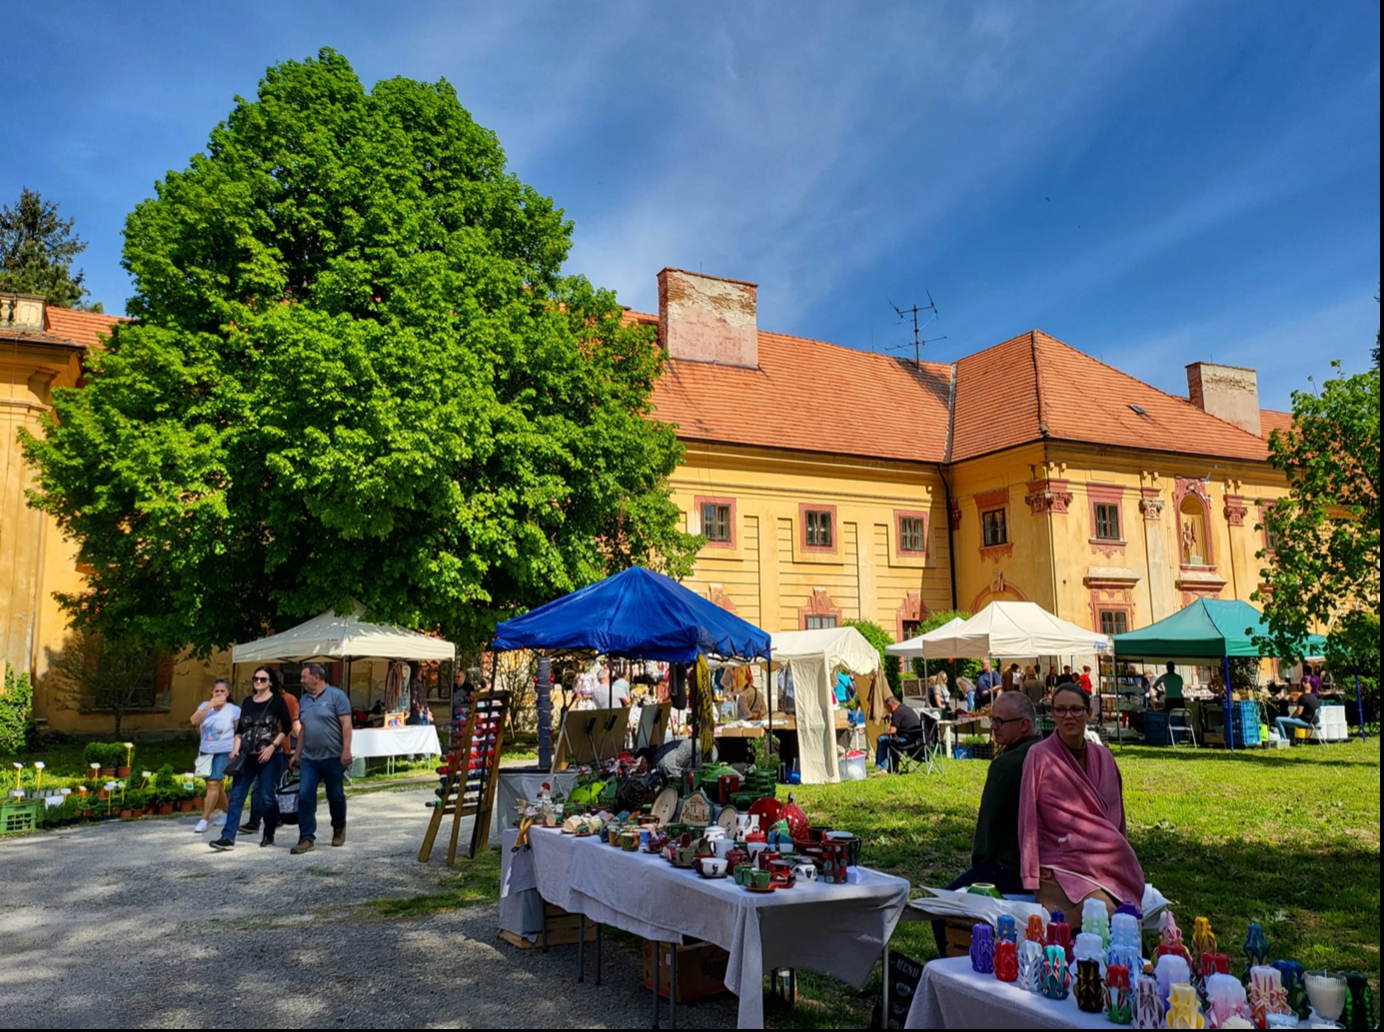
[(1189, 542)]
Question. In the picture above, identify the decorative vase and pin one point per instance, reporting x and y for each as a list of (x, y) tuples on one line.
[(1006, 960), (1031, 966), (1119, 998), (1090, 993), (1056, 978), (982, 948)]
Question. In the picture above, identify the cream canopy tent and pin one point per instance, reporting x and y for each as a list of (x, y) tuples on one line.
[(330, 636), (913, 647), (1014, 629), (814, 657)]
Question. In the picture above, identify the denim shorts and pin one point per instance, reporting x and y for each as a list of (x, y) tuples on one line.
[(218, 766)]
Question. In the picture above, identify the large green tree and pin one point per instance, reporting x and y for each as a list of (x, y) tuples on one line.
[(358, 373), (37, 248), (1324, 566)]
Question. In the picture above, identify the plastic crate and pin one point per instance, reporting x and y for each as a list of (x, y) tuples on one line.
[(18, 817)]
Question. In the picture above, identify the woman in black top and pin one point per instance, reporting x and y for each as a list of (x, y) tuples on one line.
[(264, 726)]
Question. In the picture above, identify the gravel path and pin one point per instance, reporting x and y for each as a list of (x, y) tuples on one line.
[(124, 925)]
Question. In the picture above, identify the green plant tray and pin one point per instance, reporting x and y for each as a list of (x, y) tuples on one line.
[(16, 818)]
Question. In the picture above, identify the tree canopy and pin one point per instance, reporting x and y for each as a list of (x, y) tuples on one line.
[(1324, 564), (358, 373), (37, 249)]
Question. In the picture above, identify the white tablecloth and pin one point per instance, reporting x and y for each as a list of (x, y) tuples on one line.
[(951, 995), (418, 739), (837, 930)]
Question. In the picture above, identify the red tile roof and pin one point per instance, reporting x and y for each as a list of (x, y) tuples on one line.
[(1035, 387), (80, 327), (1272, 419), (810, 396)]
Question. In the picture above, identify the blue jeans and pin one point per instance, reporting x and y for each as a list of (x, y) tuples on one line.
[(332, 775), (263, 779), (1286, 722), (882, 744)]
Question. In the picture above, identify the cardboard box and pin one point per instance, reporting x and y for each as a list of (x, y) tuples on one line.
[(701, 970)]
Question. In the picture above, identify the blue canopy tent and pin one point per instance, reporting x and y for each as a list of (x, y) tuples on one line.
[(635, 614), (1206, 629)]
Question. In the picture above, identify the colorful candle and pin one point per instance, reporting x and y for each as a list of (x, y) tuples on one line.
[(1148, 1003), (1006, 929), (1119, 998), (1090, 992), (1225, 999), (1033, 931), (1184, 1010), (1256, 946), (1006, 960), (1056, 978), (982, 948), (1031, 966)]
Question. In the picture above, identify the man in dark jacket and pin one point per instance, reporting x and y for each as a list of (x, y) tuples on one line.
[(995, 848)]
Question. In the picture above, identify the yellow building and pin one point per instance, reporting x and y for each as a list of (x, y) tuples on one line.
[(831, 484), (1025, 471)]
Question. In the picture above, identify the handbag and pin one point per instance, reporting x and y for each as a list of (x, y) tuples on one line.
[(234, 766), (202, 768)]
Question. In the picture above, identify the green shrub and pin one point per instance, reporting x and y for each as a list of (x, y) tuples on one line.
[(16, 710), (106, 755), (973, 740), (165, 786), (880, 639)]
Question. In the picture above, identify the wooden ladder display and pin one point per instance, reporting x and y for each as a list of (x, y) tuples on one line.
[(474, 749)]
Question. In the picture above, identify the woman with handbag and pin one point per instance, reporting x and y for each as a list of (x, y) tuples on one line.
[(216, 719), (260, 733)]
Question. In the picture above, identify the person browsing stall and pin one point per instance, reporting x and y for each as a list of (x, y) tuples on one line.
[(1073, 844), (322, 755), (904, 723), (1309, 706), (1170, 685), (986, 684)]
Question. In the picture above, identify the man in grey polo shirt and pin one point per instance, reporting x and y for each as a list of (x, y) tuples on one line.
[(322, 755)]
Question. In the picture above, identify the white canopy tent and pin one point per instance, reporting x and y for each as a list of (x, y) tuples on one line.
[(913, 647), (330, 636), (1014, 629), (814, 657)]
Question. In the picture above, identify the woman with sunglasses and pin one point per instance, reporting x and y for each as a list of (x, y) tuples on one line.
[(264, 726), (1072, 839)]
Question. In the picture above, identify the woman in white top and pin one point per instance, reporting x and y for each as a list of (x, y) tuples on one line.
[(216, 719)]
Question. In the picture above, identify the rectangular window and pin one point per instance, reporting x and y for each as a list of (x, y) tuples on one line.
[(911, 629), (912, 534), (996, 533), (716, 522), (1108, 522), (1113, 621), (819, 532), (817, 623)]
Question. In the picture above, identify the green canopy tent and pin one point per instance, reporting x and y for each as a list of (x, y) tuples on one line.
[(1206, 629)]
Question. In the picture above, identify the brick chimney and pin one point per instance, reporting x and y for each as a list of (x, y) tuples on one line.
[(1227, 392), (707, 318), (21, 312)]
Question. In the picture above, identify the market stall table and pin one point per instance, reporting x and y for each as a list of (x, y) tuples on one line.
[(513, 785), (836, 930), (413, 740)]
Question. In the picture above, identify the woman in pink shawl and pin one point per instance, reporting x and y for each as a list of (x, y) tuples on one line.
[(1072, 843)]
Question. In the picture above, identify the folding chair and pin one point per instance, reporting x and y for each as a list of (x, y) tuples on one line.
[(921, 750), (1185, 727)]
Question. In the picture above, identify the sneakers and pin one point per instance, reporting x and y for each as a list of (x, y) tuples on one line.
[(222, 844), (200, 827), (219, 819), (338, 836), (304, 846)]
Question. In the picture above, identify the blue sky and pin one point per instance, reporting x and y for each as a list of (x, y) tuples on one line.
[(1154, 183)]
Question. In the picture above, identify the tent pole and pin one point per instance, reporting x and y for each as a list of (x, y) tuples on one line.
[(1359, 700), (1229, 710), (769, 730)]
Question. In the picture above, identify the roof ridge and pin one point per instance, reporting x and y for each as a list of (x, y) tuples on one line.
[(1143, 383), (951, 417), (1038, 384)]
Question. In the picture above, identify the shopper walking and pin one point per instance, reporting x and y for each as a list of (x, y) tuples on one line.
[(263, 728), (215, 719), (322, 755), (252, 826)]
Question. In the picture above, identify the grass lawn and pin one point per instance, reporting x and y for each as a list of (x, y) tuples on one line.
[(1289, 839)]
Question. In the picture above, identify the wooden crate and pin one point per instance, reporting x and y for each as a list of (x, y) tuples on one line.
[(958, 938), (701, 970), (564, 929)]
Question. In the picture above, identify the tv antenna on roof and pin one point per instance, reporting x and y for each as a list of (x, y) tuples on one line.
[(918, 341)]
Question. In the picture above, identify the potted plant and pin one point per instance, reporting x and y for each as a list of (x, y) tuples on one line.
[(165, 789), (132, 804), (122, 769)]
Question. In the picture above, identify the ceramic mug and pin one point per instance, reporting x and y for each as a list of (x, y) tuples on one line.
[(742, 874), (805, 871), (712, 867), (759, 879)]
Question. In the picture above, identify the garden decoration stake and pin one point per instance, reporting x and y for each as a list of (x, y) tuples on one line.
[(1119, 998), (18, 773), (39, 768)]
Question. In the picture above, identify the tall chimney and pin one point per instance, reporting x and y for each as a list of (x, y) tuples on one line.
[(1227, 392), (707, 318)]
